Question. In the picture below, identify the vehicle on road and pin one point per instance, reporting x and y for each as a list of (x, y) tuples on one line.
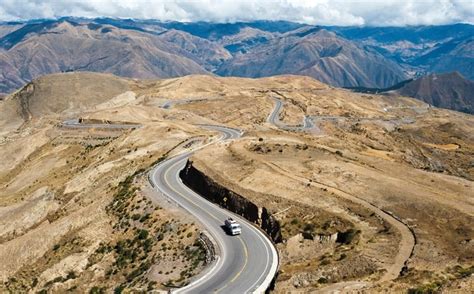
[(232, 227)]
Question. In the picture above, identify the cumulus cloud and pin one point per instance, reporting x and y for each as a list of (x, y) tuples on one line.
[(322, 12)]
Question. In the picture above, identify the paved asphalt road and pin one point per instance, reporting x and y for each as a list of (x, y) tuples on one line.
[(247, 262), (274, 119)]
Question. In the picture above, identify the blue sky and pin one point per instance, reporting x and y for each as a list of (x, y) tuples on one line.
[(322, 12)]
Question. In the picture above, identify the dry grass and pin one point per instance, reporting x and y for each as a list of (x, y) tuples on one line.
[(55, 183)]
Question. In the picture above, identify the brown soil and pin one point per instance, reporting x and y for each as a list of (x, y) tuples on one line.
[(376, 201)]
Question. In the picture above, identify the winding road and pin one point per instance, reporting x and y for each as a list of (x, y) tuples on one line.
[(407, 242), (307, 125), (248, 262)]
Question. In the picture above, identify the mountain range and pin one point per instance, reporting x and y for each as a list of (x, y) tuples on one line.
[(145, 49)]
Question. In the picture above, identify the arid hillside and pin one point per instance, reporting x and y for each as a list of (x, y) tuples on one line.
[(151, 50), (316, 53), (370, 193), (449, 90)]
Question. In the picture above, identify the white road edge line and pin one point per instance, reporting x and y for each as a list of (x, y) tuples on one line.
[(219, 263), (273, 269), (216, 265)]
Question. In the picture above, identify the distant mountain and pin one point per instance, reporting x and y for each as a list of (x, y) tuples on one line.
[(204, 52), (420, 49), (217, 31), (318, 53), (457, 55), (449, 90), (340, 56), (60, 46)]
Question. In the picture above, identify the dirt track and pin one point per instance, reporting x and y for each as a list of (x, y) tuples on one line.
[(407, 242)]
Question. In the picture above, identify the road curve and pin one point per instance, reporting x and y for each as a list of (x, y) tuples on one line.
[(408, 239), (274, 119), (248, 262)]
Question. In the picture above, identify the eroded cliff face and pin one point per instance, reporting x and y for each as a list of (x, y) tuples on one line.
[(230, 200)]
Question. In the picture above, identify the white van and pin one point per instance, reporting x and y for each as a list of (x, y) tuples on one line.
[(232, 226)]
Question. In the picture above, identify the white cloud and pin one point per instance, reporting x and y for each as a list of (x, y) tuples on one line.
[(323, 12)]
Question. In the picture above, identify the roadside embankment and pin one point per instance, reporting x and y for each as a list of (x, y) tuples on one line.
[(230, 200)]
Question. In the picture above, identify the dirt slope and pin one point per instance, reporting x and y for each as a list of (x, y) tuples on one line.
[(379, 198)]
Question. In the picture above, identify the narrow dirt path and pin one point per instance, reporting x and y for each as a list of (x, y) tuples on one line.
[(407, 242)]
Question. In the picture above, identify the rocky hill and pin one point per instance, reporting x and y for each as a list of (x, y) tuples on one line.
[(61, 46), (450, 90), (317, 53), (151, 49), (420, 49), (366, 57)]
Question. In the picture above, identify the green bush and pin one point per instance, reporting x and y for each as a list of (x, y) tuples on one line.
[(142, 234), (97, 290), (118, 289), (147, 245), (461, 272), (322, 280), (145, 217)]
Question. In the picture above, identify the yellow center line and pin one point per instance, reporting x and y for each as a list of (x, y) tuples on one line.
[(191, 201), (212, 216), (245, 263), (174, 190)]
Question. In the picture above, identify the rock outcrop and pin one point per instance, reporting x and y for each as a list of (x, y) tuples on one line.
[(230, 200)]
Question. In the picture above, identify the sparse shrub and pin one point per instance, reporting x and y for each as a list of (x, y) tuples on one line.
[(325, 262), (119, 289), (322, 280), (71, 275), (430, 288), (461, 272), (309, 227), (144, 218), (35, 282), (97, 290), (147, 245), (142, 234)]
